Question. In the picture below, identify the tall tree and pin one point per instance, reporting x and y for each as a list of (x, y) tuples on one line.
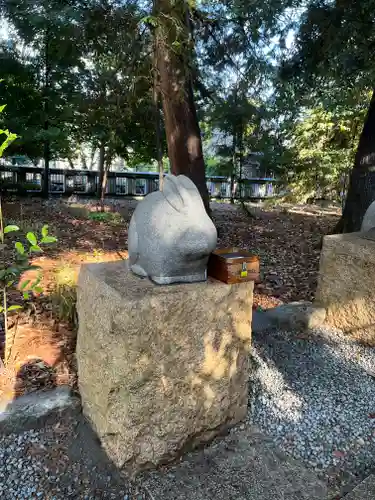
[(51, 31), (116, 112), (333, 53), (175, 53)]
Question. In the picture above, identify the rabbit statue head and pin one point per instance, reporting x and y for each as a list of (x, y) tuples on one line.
[(170, 234)]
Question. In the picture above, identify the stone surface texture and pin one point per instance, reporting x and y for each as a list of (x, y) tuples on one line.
[(365, 491), (297, 316), (346, 286), (161, 368), (369, 218), (170, 234)]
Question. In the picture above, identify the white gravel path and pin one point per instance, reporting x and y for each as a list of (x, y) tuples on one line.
[(315, 395)]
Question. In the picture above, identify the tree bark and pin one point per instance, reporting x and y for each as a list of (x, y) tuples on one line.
[(71, 163), (102, 175), (181, 122), (234, 165), (104, 184), (361, 191), (155, 98), (46, 97)]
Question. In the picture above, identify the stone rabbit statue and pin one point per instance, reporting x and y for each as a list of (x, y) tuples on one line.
[(368, 222), (170, 234)]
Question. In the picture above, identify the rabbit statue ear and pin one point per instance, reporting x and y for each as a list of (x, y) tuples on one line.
[(180, 191), (189, 191), (171, 192)]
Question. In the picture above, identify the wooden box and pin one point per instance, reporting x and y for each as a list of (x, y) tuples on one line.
[(232, 265)]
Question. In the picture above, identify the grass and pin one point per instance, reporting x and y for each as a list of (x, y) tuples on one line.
[(112, 217), (64, 294)]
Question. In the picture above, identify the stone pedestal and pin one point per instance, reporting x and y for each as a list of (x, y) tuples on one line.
[(346, 285), (161, 368)]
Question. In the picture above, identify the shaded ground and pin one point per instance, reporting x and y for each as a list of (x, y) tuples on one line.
[(61, 460), (64, 460), (287, 241)]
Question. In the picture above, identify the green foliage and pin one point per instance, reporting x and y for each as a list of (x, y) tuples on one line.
[(64, 294), (114, 218), (334, 43), (91, 66), (10, 275), (9, 137), (99, 59)]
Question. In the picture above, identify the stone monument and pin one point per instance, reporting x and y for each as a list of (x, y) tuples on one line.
[(346, 285), (170, 234), (162, 367)]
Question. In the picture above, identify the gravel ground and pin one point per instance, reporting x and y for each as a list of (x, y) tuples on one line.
[(315, 395), (59, 462)]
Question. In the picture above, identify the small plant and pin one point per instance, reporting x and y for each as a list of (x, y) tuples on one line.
[(10, 275), (112, 217), (9, 137), (64, 296), (97, 253), (100, 216)]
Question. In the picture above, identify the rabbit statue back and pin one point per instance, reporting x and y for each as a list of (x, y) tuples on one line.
[(368, 222), (170, 234)]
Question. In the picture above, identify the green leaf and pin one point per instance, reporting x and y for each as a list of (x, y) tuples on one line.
[(11, 228), (1, 309), (14, 308), (13, 270), (36, 283), (10, 283), (26, 295), (3, 273), (48, 239), (20, 248), (3, 106), (35, 248), (38, 289), (24, 284), (150, 20), (34, 268), (32, 239), (45, 231)]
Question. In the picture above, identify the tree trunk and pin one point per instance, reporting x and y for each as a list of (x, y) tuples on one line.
[(234, 166), (46, 97), (102, 175), (70, 161), (181, 122), (155, 98), (361, 191), (104, 184)]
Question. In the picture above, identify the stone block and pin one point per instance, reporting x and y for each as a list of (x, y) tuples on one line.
[(162, 369), (346, 286), (297, 316)]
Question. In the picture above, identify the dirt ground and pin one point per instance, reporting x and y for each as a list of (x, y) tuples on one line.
[(41, 354)]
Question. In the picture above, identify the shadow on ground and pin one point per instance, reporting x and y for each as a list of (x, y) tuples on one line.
[(49, 450), (59, 456)]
